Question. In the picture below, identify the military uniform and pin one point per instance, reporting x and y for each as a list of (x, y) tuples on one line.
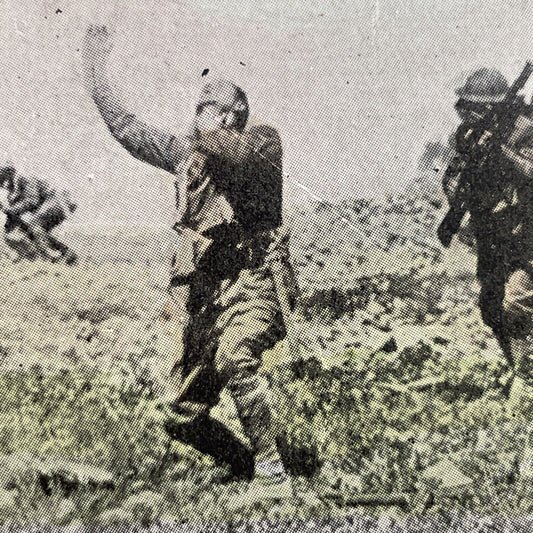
[(32, 203), (501, 219), (230, 200)]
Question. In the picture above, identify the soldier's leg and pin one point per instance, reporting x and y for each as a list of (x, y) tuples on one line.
[(491, 298), (239, 357), (34, 224), (18, 239), (211, 437), (192, 423), (51, 215), (237, 360), (193, 426), (518, 319)]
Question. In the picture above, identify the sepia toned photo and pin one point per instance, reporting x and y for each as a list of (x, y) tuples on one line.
[(266, 266)]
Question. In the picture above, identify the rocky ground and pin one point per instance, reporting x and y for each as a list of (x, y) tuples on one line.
[(395, 385)]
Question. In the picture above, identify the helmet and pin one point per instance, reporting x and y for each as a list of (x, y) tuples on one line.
[(224, 91), (484, 86)]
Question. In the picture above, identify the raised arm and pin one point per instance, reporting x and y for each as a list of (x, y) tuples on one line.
[(144, 142)]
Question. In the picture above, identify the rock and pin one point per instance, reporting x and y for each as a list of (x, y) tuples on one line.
[(390, 346), (445, 476), (144, 505), (330, 475), (525, 466), (376, 340), (375, 309), (441, 341), (117, 516), (352, 483), (309, 500), (426, 383), (64, 510), (484, 442), (75, 473), (19, 467), (399, 388)]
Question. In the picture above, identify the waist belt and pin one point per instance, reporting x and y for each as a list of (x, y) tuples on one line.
[(211, 245)]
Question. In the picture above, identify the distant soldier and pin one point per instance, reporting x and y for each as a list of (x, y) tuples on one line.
[(222, 279), (498, 193), (35, 208)]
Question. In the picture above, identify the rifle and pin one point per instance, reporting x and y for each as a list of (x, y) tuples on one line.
[(480, 140)]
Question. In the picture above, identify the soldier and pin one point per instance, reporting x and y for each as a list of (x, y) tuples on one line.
[(221, 282), (36, 209), (501, 218)]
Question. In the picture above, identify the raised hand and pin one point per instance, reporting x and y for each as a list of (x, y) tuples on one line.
[(97, 46)]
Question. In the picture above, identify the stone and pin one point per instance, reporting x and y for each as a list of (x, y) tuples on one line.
[(444, 475), (65, 509), (352, 483), (76, 473), (144, 505), (116, 516)]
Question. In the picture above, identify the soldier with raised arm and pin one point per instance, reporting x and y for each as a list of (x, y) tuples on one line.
[(221, 281)]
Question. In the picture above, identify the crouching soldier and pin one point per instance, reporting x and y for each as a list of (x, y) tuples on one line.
[(35, 209), (222, 281), (498, 193)]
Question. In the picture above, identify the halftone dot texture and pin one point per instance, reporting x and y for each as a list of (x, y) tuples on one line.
[(400, 386)]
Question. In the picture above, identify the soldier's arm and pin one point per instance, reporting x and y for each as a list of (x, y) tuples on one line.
[(237, 148), (27, 196), (523, 164), (144, 142), (519, 147), (450, 180)]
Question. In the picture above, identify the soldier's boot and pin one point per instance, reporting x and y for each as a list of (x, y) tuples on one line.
[(40, 241), (70, 257), (51, 248), (21, 244), (213, 438), (252, 397), (509, 375)]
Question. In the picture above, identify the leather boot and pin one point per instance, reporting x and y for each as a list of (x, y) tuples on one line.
[(213, 438)]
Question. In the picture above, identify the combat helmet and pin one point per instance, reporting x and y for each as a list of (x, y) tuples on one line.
[(221, 90), (485, 85)]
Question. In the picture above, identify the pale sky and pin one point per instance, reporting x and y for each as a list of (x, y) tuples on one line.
[(356, 88)]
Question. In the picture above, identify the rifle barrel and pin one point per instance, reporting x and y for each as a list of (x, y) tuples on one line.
[(519, 82)]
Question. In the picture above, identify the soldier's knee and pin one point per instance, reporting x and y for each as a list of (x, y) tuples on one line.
[(51, 214), (518, 322), (247, 382), (235, 359), (490, 303)]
